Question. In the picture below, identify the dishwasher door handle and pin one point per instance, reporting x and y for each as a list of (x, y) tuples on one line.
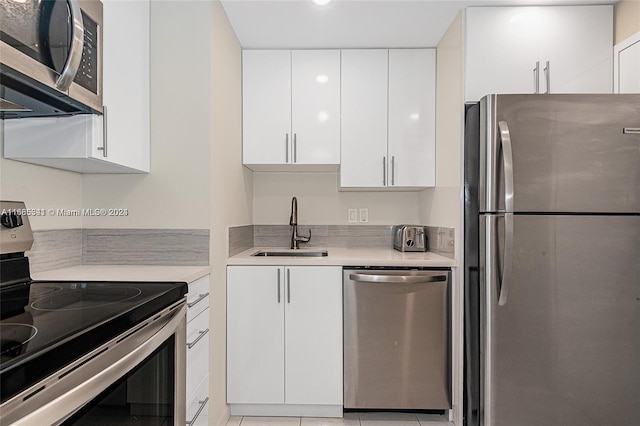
[(397, 279)]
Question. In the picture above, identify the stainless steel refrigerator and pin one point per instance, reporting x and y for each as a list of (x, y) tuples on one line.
[(552, 260)]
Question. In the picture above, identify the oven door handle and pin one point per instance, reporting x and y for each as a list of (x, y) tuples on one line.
[(74, 58), (60, 396)]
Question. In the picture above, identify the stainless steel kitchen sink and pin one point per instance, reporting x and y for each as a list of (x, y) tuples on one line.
[(292, 253)]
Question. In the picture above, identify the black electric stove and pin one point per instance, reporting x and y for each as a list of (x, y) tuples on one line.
[(45, 326)]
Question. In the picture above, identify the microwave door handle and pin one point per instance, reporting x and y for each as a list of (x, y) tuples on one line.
[(507, 155), (74, 59)]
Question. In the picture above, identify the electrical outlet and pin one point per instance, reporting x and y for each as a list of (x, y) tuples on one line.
[(364, 215), (353, 215)]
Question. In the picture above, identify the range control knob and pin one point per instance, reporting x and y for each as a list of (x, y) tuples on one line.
[(11, 220)]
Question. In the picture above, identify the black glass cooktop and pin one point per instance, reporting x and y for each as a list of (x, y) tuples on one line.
[(64, 320)]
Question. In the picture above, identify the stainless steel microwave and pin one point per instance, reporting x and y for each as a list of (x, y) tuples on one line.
[(50, 57)]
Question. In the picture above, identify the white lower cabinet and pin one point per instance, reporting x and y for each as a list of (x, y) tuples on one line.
[(198, 352), (284, 340)]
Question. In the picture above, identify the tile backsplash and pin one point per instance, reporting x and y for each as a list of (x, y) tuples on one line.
[(241, 238), (53, 249)]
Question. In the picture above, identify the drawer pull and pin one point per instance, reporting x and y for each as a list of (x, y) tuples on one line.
[(200, 298), (202, 405), (202, 334)]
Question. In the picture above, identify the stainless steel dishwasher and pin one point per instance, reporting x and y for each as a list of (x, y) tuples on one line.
[(397, 339)]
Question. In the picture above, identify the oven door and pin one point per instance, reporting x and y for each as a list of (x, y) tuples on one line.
[(49, 49), (138, 376)]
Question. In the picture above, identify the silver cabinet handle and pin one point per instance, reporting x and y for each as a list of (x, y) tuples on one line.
[(72, 64), (295, 148), (397, 279), (393, 170), (200, 298), (536, 78), (202, 403), (288, 285), (286, 148), (278, 285), (200, 336), (547, 74), (384, 171), (105, 134)]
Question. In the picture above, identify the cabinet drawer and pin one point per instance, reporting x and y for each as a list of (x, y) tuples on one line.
[(198, 297), (199, 401), (197, 350)]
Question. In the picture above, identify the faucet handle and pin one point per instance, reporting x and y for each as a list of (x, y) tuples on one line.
[(305, 239)]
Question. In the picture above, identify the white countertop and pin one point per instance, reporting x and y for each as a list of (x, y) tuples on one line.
[(344, 257), (135, 273)]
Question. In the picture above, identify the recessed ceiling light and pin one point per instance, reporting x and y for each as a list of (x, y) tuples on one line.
[(322, 2)]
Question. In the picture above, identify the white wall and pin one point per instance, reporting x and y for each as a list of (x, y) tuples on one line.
[(627, 19), (231, 190), (177, 193), (320, 202), (41, 188), (443, 205)]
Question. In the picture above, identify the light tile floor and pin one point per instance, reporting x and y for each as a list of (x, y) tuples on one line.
[(349, 419)]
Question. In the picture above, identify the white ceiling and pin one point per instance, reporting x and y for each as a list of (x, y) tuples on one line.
[(300, 24)]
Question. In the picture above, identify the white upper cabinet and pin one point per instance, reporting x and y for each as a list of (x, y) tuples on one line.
[(117, 142), (266, 106), (364, 118), (388, 119), (315, 101), (412, 114), (291, 109), (126, 84), (563, 49)]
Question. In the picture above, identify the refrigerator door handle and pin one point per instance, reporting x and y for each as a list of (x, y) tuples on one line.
[(507, 261), (507, 154)]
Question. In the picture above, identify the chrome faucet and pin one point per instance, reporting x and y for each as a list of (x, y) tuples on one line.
[(293, 221)]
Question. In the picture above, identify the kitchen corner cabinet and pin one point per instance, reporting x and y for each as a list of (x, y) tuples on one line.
[(197, 385), (388, 119), (555, 49), (284, 340), (116, 142), (291, 109)]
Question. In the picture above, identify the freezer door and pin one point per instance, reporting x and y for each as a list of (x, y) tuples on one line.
[(569, 153), (563, 347)]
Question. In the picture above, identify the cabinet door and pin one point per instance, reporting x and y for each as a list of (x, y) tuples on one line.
[(412, 114), (501, 50), (578, 43), (628, 66), (315, 90), (313, 329), (125, 86), (255, 335), (266, 106), (364, 77)]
